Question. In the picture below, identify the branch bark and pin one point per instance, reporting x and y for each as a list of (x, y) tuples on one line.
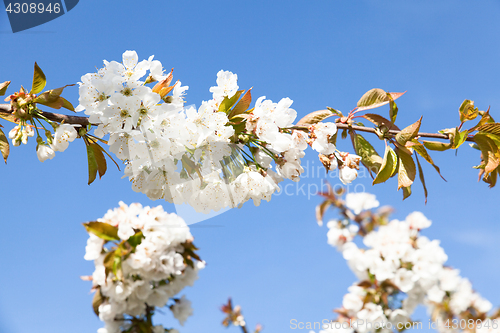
[(84, 121), (392, 132), (5, 109)]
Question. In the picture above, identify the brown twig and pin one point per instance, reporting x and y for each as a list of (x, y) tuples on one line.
[(392, 132), (77, 120), (5, 109)]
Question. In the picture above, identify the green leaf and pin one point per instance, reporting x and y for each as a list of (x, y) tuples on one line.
[(67, 105), (380, 121), (97, 300), (420, 149), (4, 146), (486, 118), (493, 128), (402, 148), (242, 105), (3, 87), (344, 134), (333, 138), (388, 166), (9, 117), (238, 128), (421, 176), (393, 110), (467, 111), (99, 158), (39, 80), (102, 230), (406, 192), (460, 138), (135, 239), (94, 140), (314, 117), (495, 138), (490, 152), (188, 164), (52, 99), (123, 249), (117, 266), (56, 103), (491, 179), (369, 156), (143, 327), (436, 145), (407, 169), (188, 254), (375, 98), (108, 262), (92, 162), (337, 112), (409, 132), (227, 103)]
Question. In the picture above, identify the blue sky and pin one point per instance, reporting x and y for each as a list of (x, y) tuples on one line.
[(272, 259)]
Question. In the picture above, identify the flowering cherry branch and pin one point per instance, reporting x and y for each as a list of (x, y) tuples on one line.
[(227, 152), (222, 155)]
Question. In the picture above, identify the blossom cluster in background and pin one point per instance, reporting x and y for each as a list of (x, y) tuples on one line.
[(143, 258), (219, 155), (398, 269)]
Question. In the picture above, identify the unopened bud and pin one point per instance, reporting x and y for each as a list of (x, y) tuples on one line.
[(82, 131), (243, 138), (150, 79), (325, 161)]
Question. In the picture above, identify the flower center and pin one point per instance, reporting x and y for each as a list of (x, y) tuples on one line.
[(154, 144), (102, 97), (124, 113), (127, 91)]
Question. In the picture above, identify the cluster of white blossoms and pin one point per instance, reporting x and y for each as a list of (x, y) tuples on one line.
[(20, 134), (59, 141), (210, 158), (150, 263), (398, 270)]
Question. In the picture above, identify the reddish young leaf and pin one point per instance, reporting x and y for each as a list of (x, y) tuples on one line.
[(242, 105)]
